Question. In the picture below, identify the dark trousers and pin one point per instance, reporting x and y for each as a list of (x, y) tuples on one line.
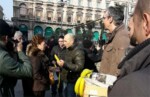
[(39, 93), (55, 88), (70, 90)]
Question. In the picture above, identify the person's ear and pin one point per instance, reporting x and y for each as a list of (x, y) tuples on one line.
[(146, 24), (110, 19), (5, 39)]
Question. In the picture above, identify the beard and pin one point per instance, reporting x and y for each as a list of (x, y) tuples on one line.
[(133, 41)]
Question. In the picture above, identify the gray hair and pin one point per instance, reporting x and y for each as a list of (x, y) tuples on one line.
[(117, 13), (17, 34)]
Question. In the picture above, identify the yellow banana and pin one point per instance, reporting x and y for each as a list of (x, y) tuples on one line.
[(77, 85), (85, 72), (81, 88), (89, 75), (56, 57)]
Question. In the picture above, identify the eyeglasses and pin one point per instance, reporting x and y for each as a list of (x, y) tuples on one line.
[(104, 17), (60, 41)]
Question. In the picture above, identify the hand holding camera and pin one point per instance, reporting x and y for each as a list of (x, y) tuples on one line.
[(19, 46)]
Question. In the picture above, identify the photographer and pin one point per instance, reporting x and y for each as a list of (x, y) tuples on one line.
[(9, 67)]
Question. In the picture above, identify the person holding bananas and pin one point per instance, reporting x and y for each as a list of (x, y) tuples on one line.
[(73, 63)]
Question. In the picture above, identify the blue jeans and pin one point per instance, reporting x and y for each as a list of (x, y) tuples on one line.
[(70, 90)]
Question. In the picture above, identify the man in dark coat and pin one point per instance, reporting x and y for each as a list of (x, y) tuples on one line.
[(60, 51), (134, 77), (9, 67), (73, 63)]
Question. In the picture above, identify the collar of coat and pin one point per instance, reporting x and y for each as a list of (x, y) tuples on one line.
[(115, 31), (138, 58), (33, 51), (2, 45), (72, 47)]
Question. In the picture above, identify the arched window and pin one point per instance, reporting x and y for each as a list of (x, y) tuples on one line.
[(23, 9)]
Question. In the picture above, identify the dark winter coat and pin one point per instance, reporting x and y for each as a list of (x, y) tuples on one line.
[(40, 64), (134, 78), (61, 53), (74, 63), (10, 68)]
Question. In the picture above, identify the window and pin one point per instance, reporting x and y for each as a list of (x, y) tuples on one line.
[(79, 2), (89, 3), (23, 10), (59, 19), (98, 4), (38, 15), (49, 16), (68, 2), (69, 19), (88, 18), (79, 19)]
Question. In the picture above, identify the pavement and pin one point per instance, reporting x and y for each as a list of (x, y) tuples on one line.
[(19, 90)]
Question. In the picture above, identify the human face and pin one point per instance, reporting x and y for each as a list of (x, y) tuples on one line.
[(68, 42), (61, 42), (42, 46), (131, 31), (19, 38), (141, 25), (106, 20)]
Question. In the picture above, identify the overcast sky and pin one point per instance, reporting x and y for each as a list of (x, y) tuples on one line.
[(7, 6)]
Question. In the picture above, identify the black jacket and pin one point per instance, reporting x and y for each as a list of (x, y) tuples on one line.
[(134, 77), (91, 58), (74, 63), (60, 52)]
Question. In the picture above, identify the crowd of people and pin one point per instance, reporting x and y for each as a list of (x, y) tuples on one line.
[(125, 55)]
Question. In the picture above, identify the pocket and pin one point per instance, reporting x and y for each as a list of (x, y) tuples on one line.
[(109, 48)]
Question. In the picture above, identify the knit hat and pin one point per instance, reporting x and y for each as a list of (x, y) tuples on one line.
[(87, 43), (4, 28), (17, 35)]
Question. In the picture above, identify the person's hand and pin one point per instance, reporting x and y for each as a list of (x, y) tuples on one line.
[(19, 46), (53, 62), (60, 63)]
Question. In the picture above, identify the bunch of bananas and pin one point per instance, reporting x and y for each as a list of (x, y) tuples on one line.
[(79, 86)]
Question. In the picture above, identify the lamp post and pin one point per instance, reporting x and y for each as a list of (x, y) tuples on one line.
[(62, 3)]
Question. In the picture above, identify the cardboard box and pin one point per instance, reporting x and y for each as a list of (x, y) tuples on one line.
[(94, 88)]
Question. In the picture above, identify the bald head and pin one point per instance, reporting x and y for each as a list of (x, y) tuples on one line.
[(141, 21), (69, 40), (142, 6)]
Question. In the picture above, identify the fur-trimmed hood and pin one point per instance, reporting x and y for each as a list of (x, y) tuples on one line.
[(33, 51)]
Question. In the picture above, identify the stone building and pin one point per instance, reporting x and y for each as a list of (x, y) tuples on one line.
[(1, 13), (47, 17)]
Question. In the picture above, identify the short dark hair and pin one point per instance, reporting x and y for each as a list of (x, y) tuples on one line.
[(5, 29), (61, 36), (117, 13)]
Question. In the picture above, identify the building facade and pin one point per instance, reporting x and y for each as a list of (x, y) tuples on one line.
[(47, 17), (1, 13)]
